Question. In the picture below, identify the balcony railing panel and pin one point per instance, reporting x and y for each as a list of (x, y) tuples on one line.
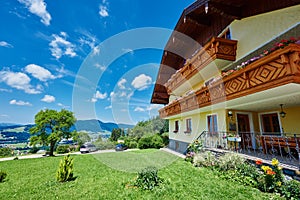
[(276, 69), (217, 48)]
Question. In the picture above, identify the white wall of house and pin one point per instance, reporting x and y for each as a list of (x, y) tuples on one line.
[(253, 32), (199, 124)]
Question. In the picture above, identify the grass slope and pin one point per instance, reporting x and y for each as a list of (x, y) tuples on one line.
[(35, 179)]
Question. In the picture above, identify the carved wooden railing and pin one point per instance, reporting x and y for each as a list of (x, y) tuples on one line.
[(217, 48), (276, 69)]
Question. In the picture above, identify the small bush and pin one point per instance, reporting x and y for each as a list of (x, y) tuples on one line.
[(65, 170), (5, 152), (156, 142), (3, 175), (165, 137), (102, 145), (291, 189), (63, 149), (34, 150), (230, 161), (132, 145), (148, 178), (145, 142), (205, 159)]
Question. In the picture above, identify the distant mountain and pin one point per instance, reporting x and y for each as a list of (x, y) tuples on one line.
[(94, 125), (13, 133), (7, 124)]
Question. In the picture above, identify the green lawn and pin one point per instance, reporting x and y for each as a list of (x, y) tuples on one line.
[(35, 179)]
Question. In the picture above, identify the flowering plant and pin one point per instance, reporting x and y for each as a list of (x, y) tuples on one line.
[(192, 149), (272, 178)]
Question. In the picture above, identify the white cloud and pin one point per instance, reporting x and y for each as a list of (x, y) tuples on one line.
[(101, 67), (48, 98), (38, 7), (98, 95), (141, 82), (5, 44), (96, 50), (19, 103), (103, 11), (93, 100), (139, 109), (127, 50), (5, 90), (154, 107), (62, 105), (121, 83), (39, 72), (4, 116), (19, 80), (59, 46), (108, 107)]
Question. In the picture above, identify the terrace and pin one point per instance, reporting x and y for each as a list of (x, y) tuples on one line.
[(253, 145)]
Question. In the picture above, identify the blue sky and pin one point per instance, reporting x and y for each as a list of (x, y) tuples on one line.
[(98, 58)]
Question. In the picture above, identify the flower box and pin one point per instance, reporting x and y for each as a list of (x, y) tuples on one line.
[(234, 139)]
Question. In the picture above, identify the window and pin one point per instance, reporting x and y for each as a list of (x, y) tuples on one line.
[(188, 126), (226, 34), (270, 123), (176, 126), (212, 123)]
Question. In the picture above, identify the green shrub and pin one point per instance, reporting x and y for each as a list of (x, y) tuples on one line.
[(3, 175), (132, 145), (230, 161), (165, 137), (102, 145), (34, 149), (145, 142), (5, 152), (204, 159), (148, 178), (65, 170), (63, 149), (156, 142), (291, 189)]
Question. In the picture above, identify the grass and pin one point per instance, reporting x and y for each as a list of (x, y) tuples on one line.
[(35, 179)]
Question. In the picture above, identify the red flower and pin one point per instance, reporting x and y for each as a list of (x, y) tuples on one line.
[(293, 39), (258, 162), (283, 41)]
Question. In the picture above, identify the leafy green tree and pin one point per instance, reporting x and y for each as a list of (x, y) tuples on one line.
[(51, 126), (81, 137), (116, 134)]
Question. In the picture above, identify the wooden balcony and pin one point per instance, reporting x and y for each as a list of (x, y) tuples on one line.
[(217, 48), (278, 68)]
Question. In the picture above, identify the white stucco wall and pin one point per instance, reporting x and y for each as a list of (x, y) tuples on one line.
[(253, 32)]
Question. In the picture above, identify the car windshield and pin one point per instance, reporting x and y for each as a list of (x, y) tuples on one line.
[(82, 146)]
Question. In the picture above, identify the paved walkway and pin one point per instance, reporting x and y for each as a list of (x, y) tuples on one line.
[(173, 152)]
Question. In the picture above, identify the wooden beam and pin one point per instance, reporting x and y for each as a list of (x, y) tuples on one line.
[(228, 11)]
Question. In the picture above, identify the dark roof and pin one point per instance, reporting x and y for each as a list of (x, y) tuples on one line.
[(200, 26)]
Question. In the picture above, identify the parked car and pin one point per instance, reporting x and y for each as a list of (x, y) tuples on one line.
[(121, 147), (87, 148)]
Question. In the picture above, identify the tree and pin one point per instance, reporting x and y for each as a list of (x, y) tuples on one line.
[(51, 126), (81, 137), (116, 133)]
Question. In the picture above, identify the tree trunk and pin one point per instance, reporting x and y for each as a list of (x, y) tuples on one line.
[(52, 144)]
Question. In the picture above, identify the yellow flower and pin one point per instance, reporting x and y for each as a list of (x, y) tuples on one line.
[(279, 183), (279, 168), (266, 168), (275, 162)]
